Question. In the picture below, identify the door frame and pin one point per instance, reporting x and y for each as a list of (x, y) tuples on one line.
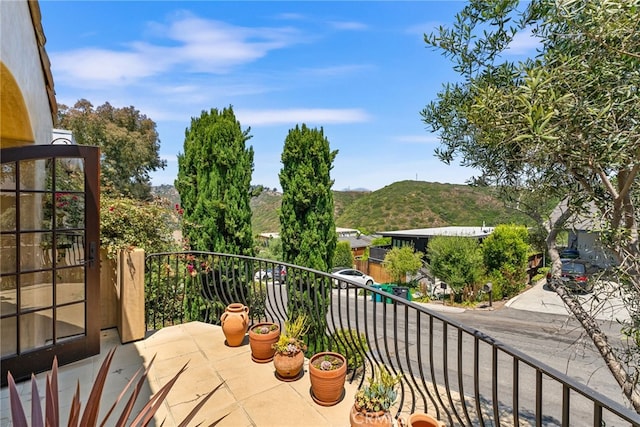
[(23, 364)]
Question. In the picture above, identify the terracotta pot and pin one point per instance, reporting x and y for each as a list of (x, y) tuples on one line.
[(420, 419), (288, 368), (361, 418), (235, 321), (261, 344), (327, 387)]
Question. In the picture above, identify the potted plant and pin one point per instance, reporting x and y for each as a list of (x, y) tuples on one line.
[(420, 419), (327, 371), (289, 350), (262, 337), (372, 402)]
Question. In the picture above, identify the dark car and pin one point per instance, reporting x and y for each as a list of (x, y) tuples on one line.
[(570, 253), (277, 274), (576, 275)]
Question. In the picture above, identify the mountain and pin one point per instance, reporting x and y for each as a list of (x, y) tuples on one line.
[(401, 205)]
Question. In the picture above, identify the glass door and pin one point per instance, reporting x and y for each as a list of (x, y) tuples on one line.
[(49, 268)]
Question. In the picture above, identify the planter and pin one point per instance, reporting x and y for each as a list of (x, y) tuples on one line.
[(327, 386), (261, 344), (288, 368), (235, 321), (420, 419), (361, 418)]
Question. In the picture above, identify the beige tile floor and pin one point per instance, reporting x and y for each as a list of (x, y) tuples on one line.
[(250, 396)]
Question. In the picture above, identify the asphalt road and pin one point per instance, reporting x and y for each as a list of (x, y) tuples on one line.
[(537, 323)]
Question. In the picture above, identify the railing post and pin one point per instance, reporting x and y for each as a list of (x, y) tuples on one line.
[(130, 308)]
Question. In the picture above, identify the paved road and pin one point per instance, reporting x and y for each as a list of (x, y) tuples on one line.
[(604, 301)]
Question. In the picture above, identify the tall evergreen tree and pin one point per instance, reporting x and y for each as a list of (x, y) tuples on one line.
[(214, 177), (308, 229)]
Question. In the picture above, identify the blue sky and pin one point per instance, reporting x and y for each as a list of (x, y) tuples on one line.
[(360, 70)]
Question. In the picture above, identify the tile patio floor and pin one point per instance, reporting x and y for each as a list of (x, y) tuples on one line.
[(251, 394)]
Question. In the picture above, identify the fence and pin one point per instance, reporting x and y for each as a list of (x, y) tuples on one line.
[(460, 375)]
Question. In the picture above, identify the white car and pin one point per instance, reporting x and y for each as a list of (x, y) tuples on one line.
[(351, 274)]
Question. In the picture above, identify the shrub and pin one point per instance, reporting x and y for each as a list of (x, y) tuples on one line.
[(127, 223), (352, 345)]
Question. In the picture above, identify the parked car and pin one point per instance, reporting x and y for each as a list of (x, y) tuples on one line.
[(343, 274), (570, 253), (576, 274), (279, 274)]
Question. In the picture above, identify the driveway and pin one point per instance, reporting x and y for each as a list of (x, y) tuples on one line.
[(540, 298)]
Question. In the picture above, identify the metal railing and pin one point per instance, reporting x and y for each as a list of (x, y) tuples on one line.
[(459, 374)]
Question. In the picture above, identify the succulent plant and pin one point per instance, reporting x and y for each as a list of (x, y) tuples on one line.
[(380, 393), (290, 342)]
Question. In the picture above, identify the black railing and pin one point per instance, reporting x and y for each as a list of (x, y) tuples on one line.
[(460, 374)]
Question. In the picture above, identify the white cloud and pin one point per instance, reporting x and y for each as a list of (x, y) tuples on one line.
[(348, 25), (301, 115), (523, 42), (190, 44)]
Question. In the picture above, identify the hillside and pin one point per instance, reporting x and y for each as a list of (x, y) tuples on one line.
[(401, 205)]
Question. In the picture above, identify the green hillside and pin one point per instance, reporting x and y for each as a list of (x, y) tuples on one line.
[(401, 205)]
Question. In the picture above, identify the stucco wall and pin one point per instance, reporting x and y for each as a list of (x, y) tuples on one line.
[(19, 53)]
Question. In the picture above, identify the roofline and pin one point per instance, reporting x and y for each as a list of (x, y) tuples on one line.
[(41, 40)]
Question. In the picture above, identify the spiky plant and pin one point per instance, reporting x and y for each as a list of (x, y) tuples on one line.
[(89, 417)]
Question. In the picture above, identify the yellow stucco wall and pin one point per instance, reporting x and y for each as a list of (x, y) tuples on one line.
[(25, 104)]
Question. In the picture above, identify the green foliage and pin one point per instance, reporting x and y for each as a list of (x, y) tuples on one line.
[(455, 260), (307, 225), (343, 256), (380, 392), (290, 341), (308, 229), (505, 253), (402, 261), (128, 141), (356, 209), (273, 250), (381, 241), (558, 127), (352, 345), (214, 177), (541, 274), (126, 223)]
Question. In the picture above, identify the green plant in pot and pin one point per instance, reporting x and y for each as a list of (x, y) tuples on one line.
[(289, 349), (327, 371), (262, 337), (373, 402)]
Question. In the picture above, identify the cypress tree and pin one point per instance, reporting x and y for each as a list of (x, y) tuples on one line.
[(214, 178), (307, 225)]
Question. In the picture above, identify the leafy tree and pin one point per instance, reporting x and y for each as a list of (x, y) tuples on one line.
[(505, 253), (273, 250), (560, 126), (402, 261), (127, 223), (214, 177), (456, 260), (343, 256), (308, 229), (128, 142)]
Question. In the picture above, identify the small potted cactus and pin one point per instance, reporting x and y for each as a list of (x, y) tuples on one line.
[(327, 371), (373, 401), (262, 336)]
